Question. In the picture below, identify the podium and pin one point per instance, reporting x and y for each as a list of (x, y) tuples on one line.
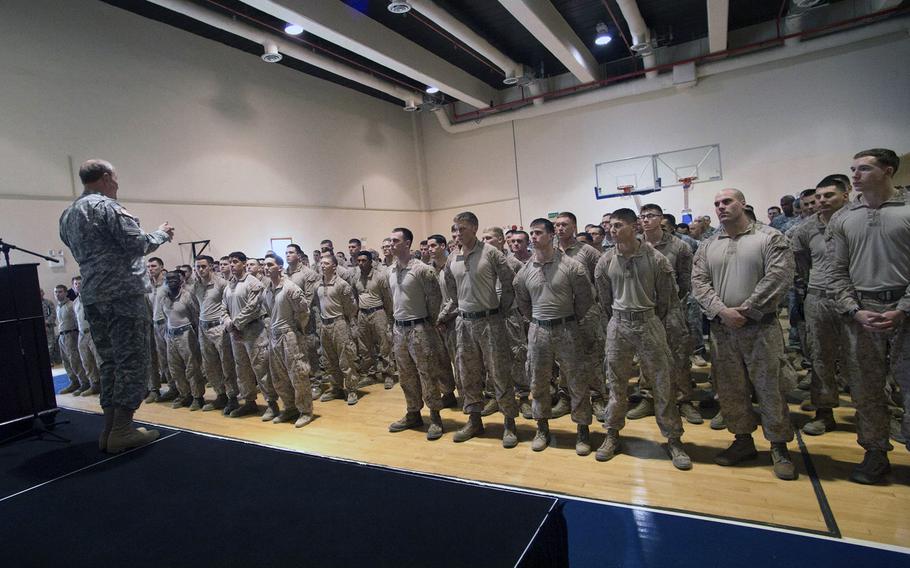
[(26, 383)]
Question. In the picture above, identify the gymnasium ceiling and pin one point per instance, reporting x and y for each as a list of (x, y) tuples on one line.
[(671, 23)]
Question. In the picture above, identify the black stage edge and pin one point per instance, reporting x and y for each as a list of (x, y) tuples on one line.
[(192, 500)]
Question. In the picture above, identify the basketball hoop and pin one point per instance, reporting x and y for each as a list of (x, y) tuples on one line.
[(626, 189), (687, 181)]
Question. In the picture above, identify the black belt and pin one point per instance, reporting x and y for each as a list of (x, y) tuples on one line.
[(886, 296), (478, 315), (327, 321), (818, 292), (766, 318), (553, 322), (178, 331), (410, 323), (367, 311), (208, 324), (629, 315), (69, 331)]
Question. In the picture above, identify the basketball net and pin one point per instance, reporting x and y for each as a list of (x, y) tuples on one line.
[(687, 181), (626, 189)]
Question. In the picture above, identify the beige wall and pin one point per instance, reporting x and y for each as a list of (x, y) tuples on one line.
[(781, 129), (197, 130)]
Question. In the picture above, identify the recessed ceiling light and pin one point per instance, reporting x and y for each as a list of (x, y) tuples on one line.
[(432, 90), (293, 29)]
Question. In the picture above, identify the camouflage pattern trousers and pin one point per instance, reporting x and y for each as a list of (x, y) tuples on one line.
[(184, 361), (415, 349), (558, 343), (374, 343), (52, 348), (218, 359), (748, 360), (69, 352), (826, 334), (290, 370), (164, 371), (881, 354), (445, 361), (693, 321), (642, 335), (680, 344), (340, 353), (517, 329), (591, 333), (251, 358), (120, 329), (483, 349), (88, 355)]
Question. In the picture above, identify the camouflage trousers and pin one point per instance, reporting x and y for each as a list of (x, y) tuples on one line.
[(591, 333), (517, 329), (643, 336), (251, 358), (557, 344), (218, 359), (446, 361), (69, 352), (183, 360), (746, 360), (827, 343), (290, 370), (374, 343), (164, 371), (415, 351), (483, 349), (680, 344), (694, 321), (310, 349), (120, 329), (877, 355), (88, 356), (340, 352), (52, 348)]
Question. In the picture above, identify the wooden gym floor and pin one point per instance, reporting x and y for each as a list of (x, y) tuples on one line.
[(822, 503)]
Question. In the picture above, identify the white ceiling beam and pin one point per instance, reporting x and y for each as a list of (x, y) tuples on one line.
[(549, 27), (346, 27), (718, 16)]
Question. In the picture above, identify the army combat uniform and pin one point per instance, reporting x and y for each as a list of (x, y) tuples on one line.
[(482, 341), (555, 295), (88, 353), (307, 280), (375, 311), (250, 344), (870, 270), (290, 313), (182, 316), (416, 299), (214, 342), (109, 246), (338, 307), (752, 270), (637, 293), (68, 343)]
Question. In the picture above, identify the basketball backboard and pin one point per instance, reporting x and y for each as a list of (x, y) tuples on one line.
[(654, 172)]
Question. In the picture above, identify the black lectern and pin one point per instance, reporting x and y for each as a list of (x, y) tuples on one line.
[(26, 384)]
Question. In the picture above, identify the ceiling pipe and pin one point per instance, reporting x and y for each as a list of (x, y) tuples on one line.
[(641, 35), (711, 66), (274, 46), (514, 72)]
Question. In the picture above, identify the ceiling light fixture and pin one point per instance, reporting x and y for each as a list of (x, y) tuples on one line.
[(399, 7), (432, 90), (603, 36), (293, 29)]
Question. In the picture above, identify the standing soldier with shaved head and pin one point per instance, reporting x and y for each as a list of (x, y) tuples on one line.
[(109, 246), (214, 342), (740, 275)]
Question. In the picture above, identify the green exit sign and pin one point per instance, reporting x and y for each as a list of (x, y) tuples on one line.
[(552, 214)]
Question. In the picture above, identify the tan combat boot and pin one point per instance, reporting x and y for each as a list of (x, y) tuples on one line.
[(474, 427), (123, 436)]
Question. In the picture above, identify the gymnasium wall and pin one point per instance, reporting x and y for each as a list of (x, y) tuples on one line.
[(780, 127), (212, 139)]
